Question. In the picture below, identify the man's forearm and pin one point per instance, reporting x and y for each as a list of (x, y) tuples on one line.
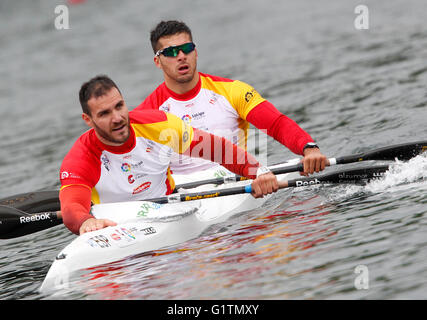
[(75, 206)]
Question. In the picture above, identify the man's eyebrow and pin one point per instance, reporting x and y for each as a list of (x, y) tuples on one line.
[(120, 103)]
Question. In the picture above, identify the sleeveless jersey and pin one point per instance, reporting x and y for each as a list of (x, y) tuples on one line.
[(216, 105), (136, 170)]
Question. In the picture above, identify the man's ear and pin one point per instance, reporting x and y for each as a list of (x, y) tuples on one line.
[(157, 62), (87, 119)]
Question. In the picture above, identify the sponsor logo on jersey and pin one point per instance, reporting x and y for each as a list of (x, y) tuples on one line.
[(105, 162), (198, 116), (125, 167), (131, 179), (143, 187), (185, 137), (213, 99), (66, 174), (186, 118), (249, 95), (165, 108)]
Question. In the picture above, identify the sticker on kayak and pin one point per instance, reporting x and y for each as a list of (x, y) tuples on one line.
[(123, 237), (99, 241), (146, 207), (148, 231)]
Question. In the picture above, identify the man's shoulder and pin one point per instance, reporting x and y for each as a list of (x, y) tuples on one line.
[(83, 147), (214, 78), (147, 116), (155, 99)]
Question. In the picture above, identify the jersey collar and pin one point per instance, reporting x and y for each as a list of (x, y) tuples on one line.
[(189, 94), (124, 148)]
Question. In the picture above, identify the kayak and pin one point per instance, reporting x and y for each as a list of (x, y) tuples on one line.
[(144, 226)]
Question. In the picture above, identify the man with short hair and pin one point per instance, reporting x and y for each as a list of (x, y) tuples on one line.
[(217, 105), (126, 156)]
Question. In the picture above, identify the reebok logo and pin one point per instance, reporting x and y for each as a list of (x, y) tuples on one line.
[(307, 183), (35, 217)]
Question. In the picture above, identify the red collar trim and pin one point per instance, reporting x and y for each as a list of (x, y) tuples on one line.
[(124, 148), (189, 94)]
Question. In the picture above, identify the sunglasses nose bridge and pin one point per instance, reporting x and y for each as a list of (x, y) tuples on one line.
[(180, 53)]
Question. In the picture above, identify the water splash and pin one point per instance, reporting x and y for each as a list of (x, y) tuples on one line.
[(401, 173)]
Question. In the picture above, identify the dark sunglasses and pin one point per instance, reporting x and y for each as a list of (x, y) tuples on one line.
[(173, 51)]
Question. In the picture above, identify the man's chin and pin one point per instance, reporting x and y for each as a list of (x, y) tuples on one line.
[(122, 138), (185, 78), (119, 138)]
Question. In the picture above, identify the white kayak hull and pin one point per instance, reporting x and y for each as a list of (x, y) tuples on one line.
[(145, 226)]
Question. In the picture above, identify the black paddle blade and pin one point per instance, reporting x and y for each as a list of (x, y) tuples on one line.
[(32, 202), (16, 223), (404, 151)]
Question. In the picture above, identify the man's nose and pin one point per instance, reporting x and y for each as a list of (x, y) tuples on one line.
[(117, 116), (181, 55)]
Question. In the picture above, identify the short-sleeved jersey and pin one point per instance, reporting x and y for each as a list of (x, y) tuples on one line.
[(216, 105), (138, 169)]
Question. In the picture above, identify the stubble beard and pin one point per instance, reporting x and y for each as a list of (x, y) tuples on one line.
[(108, 137)]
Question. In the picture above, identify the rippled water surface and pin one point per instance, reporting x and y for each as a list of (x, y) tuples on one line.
[(352, 90)]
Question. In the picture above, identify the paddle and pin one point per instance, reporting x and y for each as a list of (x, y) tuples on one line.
[(17, 223), (404, 151), (341, 176)]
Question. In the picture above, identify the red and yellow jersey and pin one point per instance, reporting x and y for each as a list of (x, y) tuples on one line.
[(216, 105), (138, 169)]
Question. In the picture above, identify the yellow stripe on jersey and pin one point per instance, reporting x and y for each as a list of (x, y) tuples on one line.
[(69, 185), (173, 133), (95, 197), (241, 96)]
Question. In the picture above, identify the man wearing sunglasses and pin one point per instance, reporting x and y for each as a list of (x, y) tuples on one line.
[(218, 105)]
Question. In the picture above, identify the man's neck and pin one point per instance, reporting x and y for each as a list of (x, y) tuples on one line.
[(182, 88)]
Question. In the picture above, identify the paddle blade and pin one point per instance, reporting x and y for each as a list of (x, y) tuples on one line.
[(354, 175), (404, 151), (16, 223), (33, 202)]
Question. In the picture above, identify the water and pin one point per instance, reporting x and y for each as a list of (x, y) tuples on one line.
[(352, 90)]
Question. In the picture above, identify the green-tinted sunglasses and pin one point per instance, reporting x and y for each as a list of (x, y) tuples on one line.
[(173, 51)]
